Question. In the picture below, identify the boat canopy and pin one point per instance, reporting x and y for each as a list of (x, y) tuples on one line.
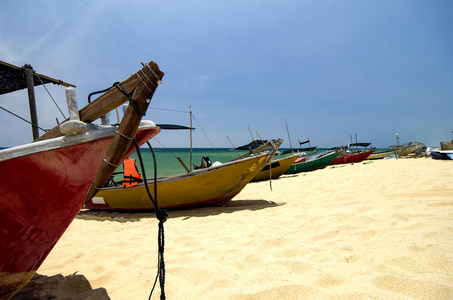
[(288, 151), (173, 127), (12, 78), (359, 144), (254, 144), (309, 148)]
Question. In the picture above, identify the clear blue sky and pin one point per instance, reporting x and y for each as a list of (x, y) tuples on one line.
[(330, 68)]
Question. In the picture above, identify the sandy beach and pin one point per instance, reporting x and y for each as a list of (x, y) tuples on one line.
[(373, 230)]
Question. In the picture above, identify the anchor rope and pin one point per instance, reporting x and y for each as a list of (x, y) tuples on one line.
[(161, 215)]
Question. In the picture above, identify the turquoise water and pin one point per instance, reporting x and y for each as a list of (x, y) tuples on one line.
[(168, 164)]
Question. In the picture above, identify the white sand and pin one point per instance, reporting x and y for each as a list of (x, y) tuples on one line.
[(380, 230)]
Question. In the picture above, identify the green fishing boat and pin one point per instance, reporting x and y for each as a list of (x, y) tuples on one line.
[(313, 162)]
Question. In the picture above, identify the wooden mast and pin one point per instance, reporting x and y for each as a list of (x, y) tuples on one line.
[(190, 113), (287, 130)]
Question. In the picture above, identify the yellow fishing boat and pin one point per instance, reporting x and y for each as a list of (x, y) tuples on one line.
[(276, 168), (215, 185)]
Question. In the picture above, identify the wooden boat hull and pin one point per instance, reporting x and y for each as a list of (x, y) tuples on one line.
[(345, 158), (43, 188), (398, 152), (314, 164), (379, 155), (407, 150), (275, 168), (204, 187)]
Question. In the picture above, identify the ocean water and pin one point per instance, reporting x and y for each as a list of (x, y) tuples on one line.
[(168, 164)]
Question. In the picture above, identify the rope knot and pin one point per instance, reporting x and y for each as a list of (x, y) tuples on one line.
[(161, 214)]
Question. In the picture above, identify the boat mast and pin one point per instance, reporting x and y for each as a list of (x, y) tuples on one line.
[(352, 143), (190, 113), (287, 130)]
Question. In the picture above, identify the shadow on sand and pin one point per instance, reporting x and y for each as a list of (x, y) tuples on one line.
[(135, 216)]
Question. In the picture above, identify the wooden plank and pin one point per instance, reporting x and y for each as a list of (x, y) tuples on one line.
[(28, 70), (122, 139), (111, 99)]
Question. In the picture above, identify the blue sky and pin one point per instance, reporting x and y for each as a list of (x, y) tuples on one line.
[(330, 68)]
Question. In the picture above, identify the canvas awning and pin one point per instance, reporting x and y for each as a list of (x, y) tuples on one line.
[(12, 78), (173, 127), (254, 144)]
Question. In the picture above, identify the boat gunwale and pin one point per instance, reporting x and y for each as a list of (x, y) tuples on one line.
[(94, 132), (322, 155)]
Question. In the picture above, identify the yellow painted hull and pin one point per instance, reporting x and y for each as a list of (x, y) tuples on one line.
[(211, 186), (275, 168)]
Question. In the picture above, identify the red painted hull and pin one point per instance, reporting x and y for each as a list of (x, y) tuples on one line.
[(351, 157), (40, 195)]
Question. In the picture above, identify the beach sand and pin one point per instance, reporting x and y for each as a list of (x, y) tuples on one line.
[(372, 230)]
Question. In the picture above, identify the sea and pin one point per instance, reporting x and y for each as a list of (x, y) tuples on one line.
[(167, 162)]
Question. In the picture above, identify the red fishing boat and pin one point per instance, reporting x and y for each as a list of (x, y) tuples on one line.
[(44, 184), (351, 157)]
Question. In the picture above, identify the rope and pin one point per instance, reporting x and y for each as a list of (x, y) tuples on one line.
[(212, 145), (49, 94), (45, 130), (98, 92), (167, 109), (145, 82), (129, 97), (169, 151), (161, 215)]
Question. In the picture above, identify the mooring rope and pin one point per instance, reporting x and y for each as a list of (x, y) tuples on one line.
[(161, 215)]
